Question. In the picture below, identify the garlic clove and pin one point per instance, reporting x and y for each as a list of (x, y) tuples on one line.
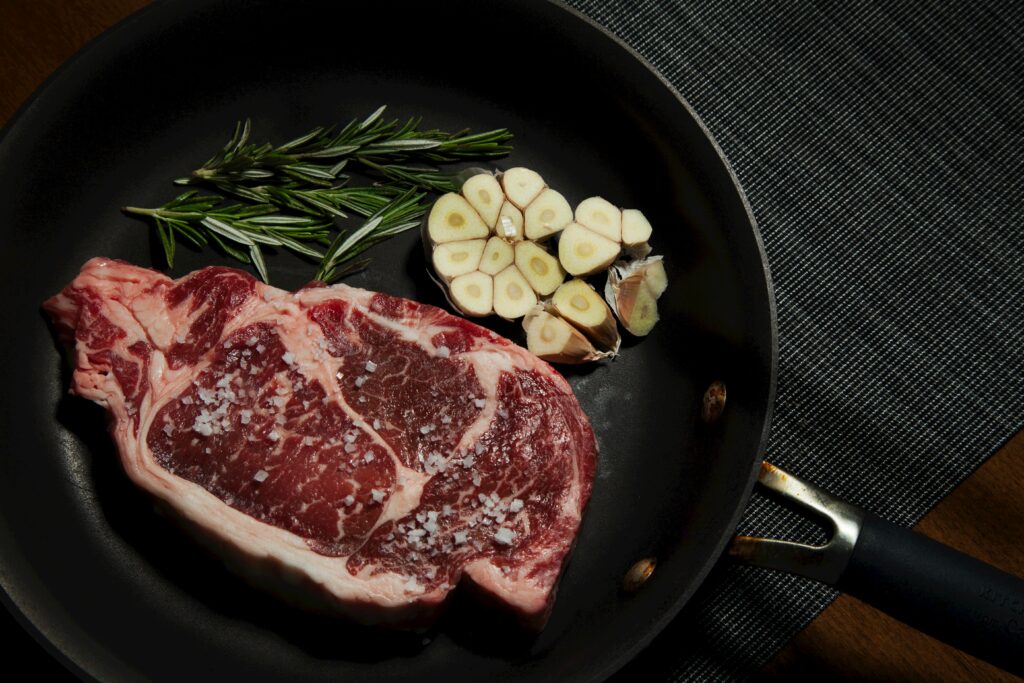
[(452, 259), (636, 231), (513, 296), (453, 219), (601, 216), (472, 293), (632, 291), (484, 193), (498, 255), (576, 302), (552, 339), (541, 269), (546, 215), (583, 252), (510, 223), (521, 185)]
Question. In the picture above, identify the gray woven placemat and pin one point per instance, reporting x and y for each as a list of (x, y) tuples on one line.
[(882, 150)]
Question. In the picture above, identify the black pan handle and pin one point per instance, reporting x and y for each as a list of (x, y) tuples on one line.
[(925, 584)]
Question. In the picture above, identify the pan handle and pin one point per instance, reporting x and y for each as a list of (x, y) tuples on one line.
[(925, 584)]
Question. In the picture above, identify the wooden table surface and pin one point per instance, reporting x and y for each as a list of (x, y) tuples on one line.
[(984, 516)]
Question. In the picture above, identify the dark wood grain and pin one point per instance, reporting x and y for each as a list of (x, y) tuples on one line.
[(849, 641)]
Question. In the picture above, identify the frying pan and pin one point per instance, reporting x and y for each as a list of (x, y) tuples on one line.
[(116, 593)]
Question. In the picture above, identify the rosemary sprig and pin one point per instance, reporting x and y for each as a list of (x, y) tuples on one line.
[(328, 201), (290, 195), (318, 157), (237, 229), (401, 214)]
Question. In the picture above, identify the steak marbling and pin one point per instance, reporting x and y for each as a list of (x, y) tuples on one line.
[(355, 451)]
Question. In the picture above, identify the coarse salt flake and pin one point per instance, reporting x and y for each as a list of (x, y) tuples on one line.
[(377, 495), (288, 357), (515, 506), (273, 435), (368, 456), (261, 475), (361, 380), (479, 402), (371, 366), (443, 352), (349, 499), (376, 423)]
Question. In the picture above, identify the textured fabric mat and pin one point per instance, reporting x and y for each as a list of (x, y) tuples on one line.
[(881, 148)]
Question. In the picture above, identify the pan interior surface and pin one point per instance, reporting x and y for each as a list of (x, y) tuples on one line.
[(115, 588)]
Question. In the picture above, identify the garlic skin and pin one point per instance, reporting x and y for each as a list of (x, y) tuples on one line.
[(632, 292)]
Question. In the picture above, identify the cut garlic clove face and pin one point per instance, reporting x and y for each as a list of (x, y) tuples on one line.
[(473, 293), (453, 219), (583, 252), (510, 223), (513, 296), (452, 259), (554, 340), (546, 215), (601, 216), (484, 194), (498, 255), (636, 229), (655, 277), (521, 185), (577, 302), (541, 269)]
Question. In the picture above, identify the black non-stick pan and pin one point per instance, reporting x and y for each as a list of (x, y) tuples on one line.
[(117, 593)]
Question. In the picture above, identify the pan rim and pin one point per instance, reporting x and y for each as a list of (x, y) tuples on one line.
[(49, 635)]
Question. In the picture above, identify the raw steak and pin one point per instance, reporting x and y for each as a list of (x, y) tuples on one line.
[(357, 451)]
